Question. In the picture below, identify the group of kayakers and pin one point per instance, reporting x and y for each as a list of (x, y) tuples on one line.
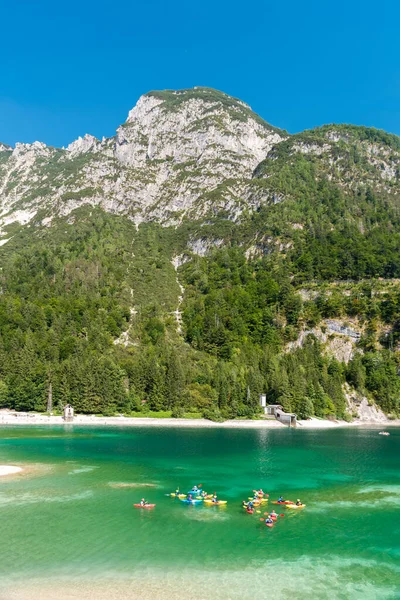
[(259, 497), (196, 495)]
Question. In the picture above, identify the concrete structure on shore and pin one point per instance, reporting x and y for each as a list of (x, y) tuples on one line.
[(68, 413), (288, 419), (276, 410)]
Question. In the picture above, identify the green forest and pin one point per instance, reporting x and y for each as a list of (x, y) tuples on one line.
[(68, 293)]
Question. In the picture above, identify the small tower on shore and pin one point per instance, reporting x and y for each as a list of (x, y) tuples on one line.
[(68, 413)]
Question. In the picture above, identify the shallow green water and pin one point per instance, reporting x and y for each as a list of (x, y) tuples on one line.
[(68, 521)]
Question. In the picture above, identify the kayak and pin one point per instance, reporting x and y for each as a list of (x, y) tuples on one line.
[(177, 495), (254, 504), (193, 501), (250, 511), (295, 505), (144, 505), (284, 502), (218, 503), (269, 524), (262, 500)]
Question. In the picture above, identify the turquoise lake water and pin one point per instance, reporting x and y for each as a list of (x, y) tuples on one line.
[(68, 526)]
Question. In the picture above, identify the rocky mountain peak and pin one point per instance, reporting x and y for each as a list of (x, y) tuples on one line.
[(82, 145), (188, 153), (197, 124), (38, 148)]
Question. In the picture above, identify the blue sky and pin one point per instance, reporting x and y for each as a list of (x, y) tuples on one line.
[(73, 67)]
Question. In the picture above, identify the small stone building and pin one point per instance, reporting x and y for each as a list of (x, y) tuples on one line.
[(272, 409), (68, 413), (288, 419)]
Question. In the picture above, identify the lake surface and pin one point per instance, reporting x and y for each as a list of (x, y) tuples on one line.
[(68, 528)]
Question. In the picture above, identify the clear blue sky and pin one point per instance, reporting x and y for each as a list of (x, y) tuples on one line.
[(72, 67)]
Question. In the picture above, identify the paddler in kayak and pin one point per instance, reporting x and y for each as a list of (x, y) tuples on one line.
[(280, 499), (177, 492), (143, 502), (298, 502), (269, 520), (273, 514), (214, 498)]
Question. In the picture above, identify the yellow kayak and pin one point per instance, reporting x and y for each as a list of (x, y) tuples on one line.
[(259, 500), (294, 505), (217, 503)]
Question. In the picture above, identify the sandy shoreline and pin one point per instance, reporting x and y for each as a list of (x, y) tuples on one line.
[(13, 418), (9, 470)]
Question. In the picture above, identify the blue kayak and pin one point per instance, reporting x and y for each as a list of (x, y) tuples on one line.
[(194, 501)]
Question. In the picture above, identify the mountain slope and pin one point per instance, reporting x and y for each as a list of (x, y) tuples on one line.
[(198, 257)]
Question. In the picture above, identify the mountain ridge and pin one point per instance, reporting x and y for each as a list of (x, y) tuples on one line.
[(179, 153)]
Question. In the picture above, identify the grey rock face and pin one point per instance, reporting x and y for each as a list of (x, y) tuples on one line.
[(164, 162), (181, 154)]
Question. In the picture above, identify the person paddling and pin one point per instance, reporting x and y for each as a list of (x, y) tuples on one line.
[(143, 502), (298, 502), (280, 499), (214, 498)]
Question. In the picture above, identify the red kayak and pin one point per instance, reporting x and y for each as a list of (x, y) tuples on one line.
[(144, 505), (250, 512), (284, 502), (269, 524)]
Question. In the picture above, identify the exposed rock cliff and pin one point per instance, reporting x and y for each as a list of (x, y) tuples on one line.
[(188, 152)]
